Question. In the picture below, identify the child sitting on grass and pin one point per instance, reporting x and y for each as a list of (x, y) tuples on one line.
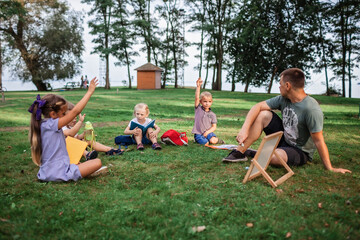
[(205, 119), (141, 113), (72, 129), (48, 148)]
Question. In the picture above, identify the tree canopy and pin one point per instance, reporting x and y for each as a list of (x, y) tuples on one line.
[(47, 38)]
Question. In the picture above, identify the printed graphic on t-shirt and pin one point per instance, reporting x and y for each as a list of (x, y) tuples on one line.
[(290, 122)]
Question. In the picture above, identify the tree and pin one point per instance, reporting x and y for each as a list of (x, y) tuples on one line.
[(46, 37), (100, 27), (123, 36), (175, 42), (347, 33), (145, 27)]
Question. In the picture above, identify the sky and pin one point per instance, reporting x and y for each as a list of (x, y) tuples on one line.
[(91, 67)]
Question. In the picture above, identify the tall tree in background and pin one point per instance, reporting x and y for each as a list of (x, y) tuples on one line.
[(46, 36), (145, 27), (123, 36), (346, 30), (174, 16), (324, 46), (100, 28), (218, 13), (198, 17)]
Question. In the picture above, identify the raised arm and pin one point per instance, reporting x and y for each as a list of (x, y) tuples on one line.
[(74, 130), (197, 92), (320, 144), (79, 106)]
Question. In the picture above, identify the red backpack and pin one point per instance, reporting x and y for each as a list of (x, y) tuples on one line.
[(175, 138)]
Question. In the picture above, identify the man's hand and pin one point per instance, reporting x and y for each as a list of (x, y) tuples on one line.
[(242, 136), (340, 170)]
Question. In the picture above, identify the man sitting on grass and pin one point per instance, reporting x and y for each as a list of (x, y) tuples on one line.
[(302, 124)]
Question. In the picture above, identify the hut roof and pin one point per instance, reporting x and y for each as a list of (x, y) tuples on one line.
[(149, 67)]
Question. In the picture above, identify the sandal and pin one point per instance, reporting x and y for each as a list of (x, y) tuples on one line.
[(114, 152), (140, 147), (91, 155), (156, 146)]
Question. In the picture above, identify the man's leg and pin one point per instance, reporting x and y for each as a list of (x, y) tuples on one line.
[(262, 121), (293, 156)]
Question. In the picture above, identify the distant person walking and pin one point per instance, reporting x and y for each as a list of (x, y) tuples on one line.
[(82, 81), (85, 82)]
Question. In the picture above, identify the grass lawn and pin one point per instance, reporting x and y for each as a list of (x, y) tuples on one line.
[(164, 194)]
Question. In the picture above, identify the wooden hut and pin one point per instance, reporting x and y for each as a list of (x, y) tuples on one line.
[(148, 76)]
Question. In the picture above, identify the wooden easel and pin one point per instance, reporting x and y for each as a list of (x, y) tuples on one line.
[(262, 159)]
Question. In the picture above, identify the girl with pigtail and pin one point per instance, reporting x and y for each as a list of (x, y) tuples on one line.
[(48, 148)]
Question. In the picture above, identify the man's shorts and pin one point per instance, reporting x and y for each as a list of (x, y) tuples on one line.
[(296, 157), (203, 140)]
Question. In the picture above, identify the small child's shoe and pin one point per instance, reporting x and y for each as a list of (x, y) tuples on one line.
[(114, 152), (102, 170), (140, 147), (91, 155), (156, 146)]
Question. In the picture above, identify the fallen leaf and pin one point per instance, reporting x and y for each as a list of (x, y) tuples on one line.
[(198, 228), (319, 205), (279, 190), (348, 202), (288, 234), (250, 225), (61, 213), (4, 220), (326, 225), (300, 190), (357, 211)]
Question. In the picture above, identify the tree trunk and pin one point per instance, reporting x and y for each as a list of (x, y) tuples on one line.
[(207, 72), (349, 65), (246, 89), (344, 45), (272, 79), (0, 65), (107, 81), (128, 66)]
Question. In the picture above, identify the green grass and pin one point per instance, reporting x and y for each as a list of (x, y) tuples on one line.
[(163, 194)]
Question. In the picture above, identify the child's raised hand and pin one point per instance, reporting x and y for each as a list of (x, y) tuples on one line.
[(93, 83), (82, 117), (199, 82)]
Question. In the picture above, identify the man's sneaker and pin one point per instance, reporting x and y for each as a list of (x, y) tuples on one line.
[(102, 170), (235, 156), (250, 152)]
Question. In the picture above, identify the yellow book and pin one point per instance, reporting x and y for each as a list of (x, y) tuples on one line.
[(75, 149)]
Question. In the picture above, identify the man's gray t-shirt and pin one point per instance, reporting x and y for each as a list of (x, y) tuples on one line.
[(299, 120), (203, 120)]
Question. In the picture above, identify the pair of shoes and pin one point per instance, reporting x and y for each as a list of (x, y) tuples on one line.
[(91, 155), (114, 152), (235, 156), (250, 152), (156, 146), (140, 147), (220, 141), (102, 170)]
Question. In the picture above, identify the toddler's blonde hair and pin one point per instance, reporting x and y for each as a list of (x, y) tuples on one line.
[(205, 94), (143, 106)]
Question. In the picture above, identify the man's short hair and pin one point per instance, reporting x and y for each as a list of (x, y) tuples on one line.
[(205, 94), (295, 76)]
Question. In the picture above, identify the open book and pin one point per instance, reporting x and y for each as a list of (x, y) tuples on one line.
[(134, 125), (225, 146)]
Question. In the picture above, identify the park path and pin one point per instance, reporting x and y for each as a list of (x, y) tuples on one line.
[(98, 124)]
